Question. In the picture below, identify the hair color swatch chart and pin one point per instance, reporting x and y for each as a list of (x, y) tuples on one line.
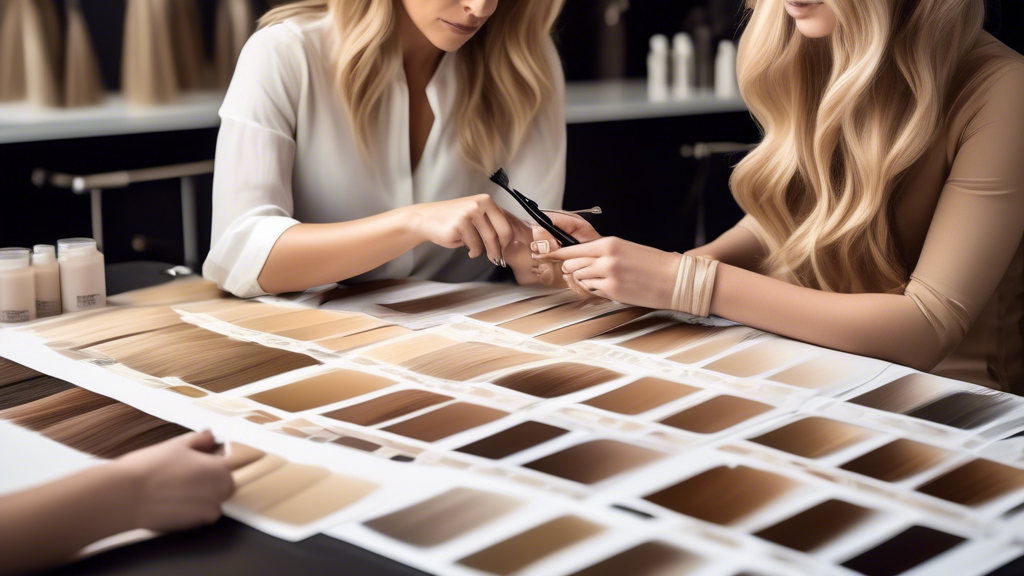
[(489, 429)]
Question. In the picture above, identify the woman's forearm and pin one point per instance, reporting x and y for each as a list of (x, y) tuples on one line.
[(886, 326), (309, 255), (47, 525)]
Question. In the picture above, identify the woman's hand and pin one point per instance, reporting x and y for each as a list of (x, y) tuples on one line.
[(549, 272), (476, 222), (179, 483), (618, 270)]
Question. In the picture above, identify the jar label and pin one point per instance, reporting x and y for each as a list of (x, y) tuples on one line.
[(46, 308), (13, 316), (88, 301)]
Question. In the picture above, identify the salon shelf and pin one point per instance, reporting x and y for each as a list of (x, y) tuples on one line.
[(21, 122), (613, 100)]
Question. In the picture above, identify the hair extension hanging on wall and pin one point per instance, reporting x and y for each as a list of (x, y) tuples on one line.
[(236, 21), (83, 85), (189, 59), (12, 61), (147, 66), (30, 52)]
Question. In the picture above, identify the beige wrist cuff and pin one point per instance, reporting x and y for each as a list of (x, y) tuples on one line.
[(695, 282)]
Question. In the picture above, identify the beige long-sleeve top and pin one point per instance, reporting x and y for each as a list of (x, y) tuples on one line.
[(960, 221)]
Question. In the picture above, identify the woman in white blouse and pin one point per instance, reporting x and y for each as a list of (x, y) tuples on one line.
[(357, 138)]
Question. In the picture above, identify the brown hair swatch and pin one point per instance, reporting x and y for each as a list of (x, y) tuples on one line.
[(187, 40), (31, 390), (112, 431), (716, 414), (647, 559), (720, 342), (405, 350), (673, 337), (467, 360), (387, 407), (108, 324), (360, 339), (975, 483), (912, 547), (446, 421), (633, 327), (556, 380), (12, 56), (441, 301), (147, 69), (824, 370), (759, 358), (903, 394), (333, 328), (530, 546), (320, 500), (68, 402), (83, 85), (723, 495), (12, 372), (524, 307), (816, 526), (444, 517), (594, 461), (321, 390), (640, 396), (897, 460), (966, 409), (589, 328), (813, 437), (513, 440), (235, 22), (558, 316)]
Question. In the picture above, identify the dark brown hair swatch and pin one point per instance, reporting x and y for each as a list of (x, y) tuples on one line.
[(813, 437), (975, 483), (513, 440), (759, 358), (723, 495), (441, 301), (912, 547), (897, 460), (12, 372), (25, 391), (965, 409), (444, 517), (716, 414), (321, 390), (467, 360), (530, 546), (446, 421), (590, 328), (640, 396), (56, 408), (647, 559), (594, 461), (556, 380), (387, 407), (903, 394), (816, 526)]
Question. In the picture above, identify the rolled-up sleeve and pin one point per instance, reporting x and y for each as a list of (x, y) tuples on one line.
[(252, 183)]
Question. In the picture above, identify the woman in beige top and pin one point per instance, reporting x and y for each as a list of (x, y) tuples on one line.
[(885, 204)]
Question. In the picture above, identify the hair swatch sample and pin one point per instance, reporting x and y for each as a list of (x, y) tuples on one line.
[(257, 469), (966, 409), (112, 431), (188, 391), (12, 372), (233, 311), (321, 390), (357, 443), (712, 346), (292, 320), (525, 307), (975, 483), (240, 455), (12, 56), (813, 437), (530, 546), (647, 559), (277, 486), (816, 526), (560, 316), (191, 289), (590, 328), (513, 440), (83, 85), (441, 301), (446, 421), (62, 401), (717, 414), (903, 394), (387, 407), (202, 358), (147, 70), (320, 500), (405, 350), (108, 324), (556, 380), (594, 461), (467, 360), (360, 339), (673, 337), (760, 357), (640, 396), (827, 369), (444, 517), (235, 22), (333, 329), (31, 390), (723, 495), (897, 460), (187, 40), (912, 547)]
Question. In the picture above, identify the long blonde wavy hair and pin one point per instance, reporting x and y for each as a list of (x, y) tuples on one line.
[(843, 119), (503, 72)]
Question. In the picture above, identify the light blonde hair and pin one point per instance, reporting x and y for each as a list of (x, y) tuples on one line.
[(503, 72), (843, 119)]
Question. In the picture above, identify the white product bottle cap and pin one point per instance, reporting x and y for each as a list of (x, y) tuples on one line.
[(13, 258), (74, 247), (659, 43), (43, 253)]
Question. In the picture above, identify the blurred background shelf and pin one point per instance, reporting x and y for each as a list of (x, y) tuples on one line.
[(617, 100)]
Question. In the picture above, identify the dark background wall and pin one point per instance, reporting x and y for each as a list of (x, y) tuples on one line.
[(634, 170)]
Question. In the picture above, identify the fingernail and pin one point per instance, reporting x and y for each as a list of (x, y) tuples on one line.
[(540, 246), (564, 271), (503, 264)]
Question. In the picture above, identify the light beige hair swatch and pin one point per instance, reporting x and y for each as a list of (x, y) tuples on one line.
[(192, 290), (236, 21), (83, 85), (30, 52), (148, 72)]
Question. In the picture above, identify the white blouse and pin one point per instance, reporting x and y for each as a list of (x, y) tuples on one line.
[(286, 153)]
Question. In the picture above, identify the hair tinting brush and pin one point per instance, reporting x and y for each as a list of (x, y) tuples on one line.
[(501, 179)]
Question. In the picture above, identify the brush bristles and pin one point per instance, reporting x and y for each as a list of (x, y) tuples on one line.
[(500, 178)]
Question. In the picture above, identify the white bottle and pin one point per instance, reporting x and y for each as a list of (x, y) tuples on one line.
[(726, 85), (17, 286), (83, 285), (684, 66), (47, 273), (657, 69)]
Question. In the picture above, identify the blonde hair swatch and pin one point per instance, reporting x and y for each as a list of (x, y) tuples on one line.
[(83, 85), (291, 319), (33, 27), (333, 328), (405, 350), (468, 360), (236, 21), (147, 62), (556, 380), (278, 485), (590, 328), (321, 390), (12, 57), (320, 500), (108, 324), (558, 316), (387, 407), (360, 339), (525, 307), (187, 40), (824, 370), (444, 517), (760, 357), (672, 338), (521, 550), (196, 291)]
